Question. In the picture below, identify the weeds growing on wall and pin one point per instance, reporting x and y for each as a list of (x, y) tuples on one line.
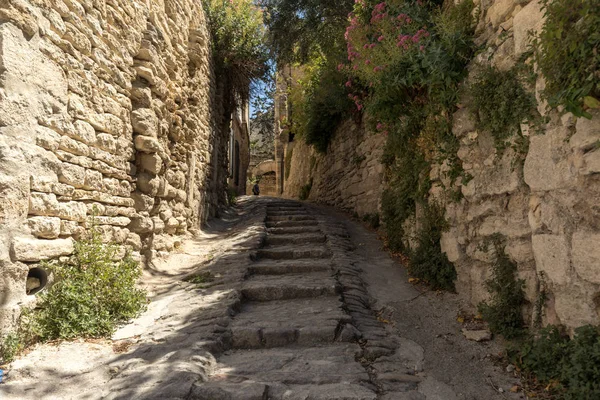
[(567, 367), (503, 312), (95, 291), (567, 52), (411, 56), (500, 103), (427, 262), (319, 101)]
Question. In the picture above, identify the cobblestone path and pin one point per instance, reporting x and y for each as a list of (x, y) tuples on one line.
[(286, 314), (305, 329)]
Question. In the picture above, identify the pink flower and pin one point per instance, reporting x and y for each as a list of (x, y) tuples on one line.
[(372, 45), (349, 84), (367, 62), (355, 67), (380, 38), (421, 47), (380, 126)]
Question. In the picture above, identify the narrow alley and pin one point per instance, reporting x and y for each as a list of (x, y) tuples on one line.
[(295, 302)]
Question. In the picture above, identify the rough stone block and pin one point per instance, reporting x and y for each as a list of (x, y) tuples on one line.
[(72, 174), (586, 255), (551, 254), (144, 122), (141, 225), (44, 227), (450, 246), (499, 11), (32, 250), (574, 306), (530, 18), (43, 204), (149, 184), (92, 180), (151, 162), (147, 144), (72, 211), (69, 228), (546, 165)]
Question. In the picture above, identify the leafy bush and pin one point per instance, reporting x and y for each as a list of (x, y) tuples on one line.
[(10, 345), (552, 357), (238, 47), (427, 261), (566, 52), (95, 291), (320, 102), (500, 103), (503, 311)]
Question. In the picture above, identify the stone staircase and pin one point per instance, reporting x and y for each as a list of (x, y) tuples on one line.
[(292, 338)]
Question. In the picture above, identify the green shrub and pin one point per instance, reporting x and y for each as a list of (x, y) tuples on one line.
[(427, 261), (320, 102), (500, 103), (305, 190), (503, 310), (551, 356), (238, 45), (95, 291), (567, 54), (10, 345)]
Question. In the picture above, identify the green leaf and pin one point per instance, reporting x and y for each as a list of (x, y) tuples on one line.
[(591, 102)]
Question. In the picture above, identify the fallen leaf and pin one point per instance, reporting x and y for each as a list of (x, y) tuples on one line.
[(413, 280), (514, 389), (460, 320)]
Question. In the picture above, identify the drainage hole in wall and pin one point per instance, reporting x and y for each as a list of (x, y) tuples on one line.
[(37, 278)]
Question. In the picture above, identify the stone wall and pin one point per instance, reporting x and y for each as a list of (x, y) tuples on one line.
[(348, 176), (107, 108), (546, 207)]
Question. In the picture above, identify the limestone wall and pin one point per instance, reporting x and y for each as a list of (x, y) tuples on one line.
[(349, 176), (107, 107), (545, 206)]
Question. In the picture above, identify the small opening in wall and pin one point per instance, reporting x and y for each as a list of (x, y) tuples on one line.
[(37, 278)]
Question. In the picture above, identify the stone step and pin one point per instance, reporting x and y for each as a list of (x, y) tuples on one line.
[(281, 267), (290, 286), (294, 365), (295, 211), (291, 230), (280, 224), (291, 252), (284, 205), (252, 390), (296, 239), (289, 217), (327, 372), (282, 323)]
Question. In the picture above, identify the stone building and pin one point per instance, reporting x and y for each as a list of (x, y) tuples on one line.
[(108, 108)]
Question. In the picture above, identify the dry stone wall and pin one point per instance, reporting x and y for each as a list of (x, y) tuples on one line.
[(545, 206), (108, 108), (348, 176)]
